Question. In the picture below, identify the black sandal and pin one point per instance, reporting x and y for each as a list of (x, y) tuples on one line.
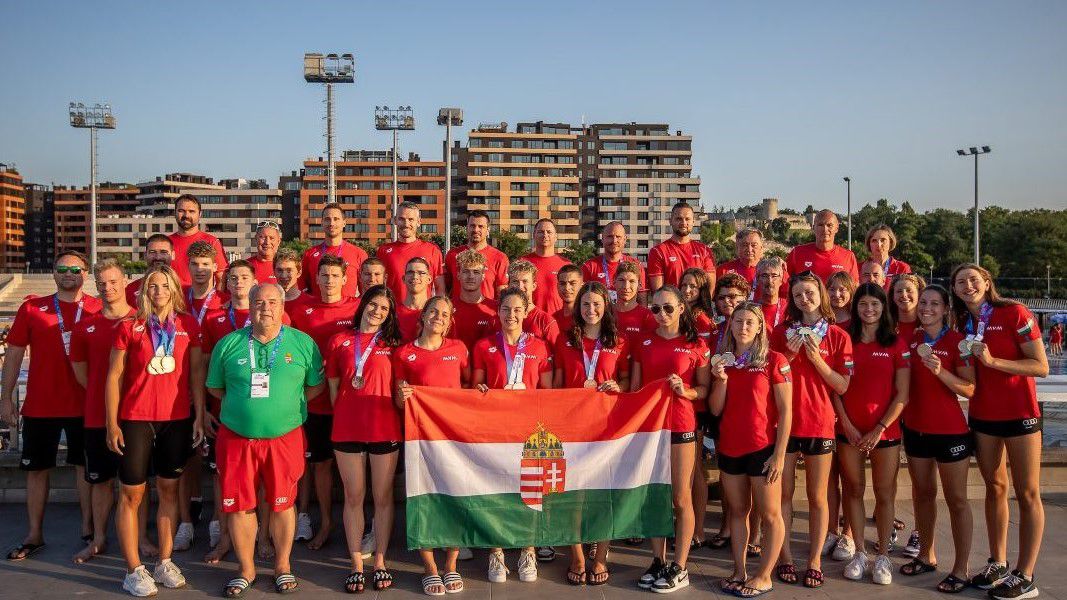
[(355, 583), (754, 551), (787, 573), (718, 542), (730, 586), (898, 525), (952, 585), (381, 578), (813, 578), (575, 577), (236, 587), (25, 551), (283, 580), (916, 567), (634, 541), (601, 578)]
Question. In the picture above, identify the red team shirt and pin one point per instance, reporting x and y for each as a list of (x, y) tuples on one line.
[(472, 322), (488, 357), (749, 420), (661, 357), (193, 306), (635, 322), (774, 314), (181, 243), (813, 412), (408, 320), (823, 263), (1000, 396), (148, 397), (669, 259), (612, 364), (538, 323), (396, 255), (735, 266), (443, 367), (546, 294), (309, 270), (299, 303), (91, 344), (593, 270), (263, 269), (873, 385), (367, 414), (564, 320), (905, 330), (496, 270), (932, 407), (322, 322), (51, 390)]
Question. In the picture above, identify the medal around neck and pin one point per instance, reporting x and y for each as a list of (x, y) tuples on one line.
[(924, 350), (358, 382), (590, 383), (728, 359), (966, 345)]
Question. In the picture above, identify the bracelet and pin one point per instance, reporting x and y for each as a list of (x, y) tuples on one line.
[(884, 426)]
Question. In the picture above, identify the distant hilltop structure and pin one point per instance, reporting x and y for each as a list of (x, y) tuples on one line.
[(761, 216)]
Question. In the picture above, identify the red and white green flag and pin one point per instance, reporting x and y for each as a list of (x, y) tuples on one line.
[(536, 468)]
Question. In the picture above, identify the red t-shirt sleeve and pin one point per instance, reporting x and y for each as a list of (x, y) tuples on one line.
[(778, 368), (122, 335), (193, 329), (478, 361), (79, 345), (464, 357), (655, 263), (547, 364), (791, 261), (1026, 330), (703, 354), (19, 335), (842, 358), (502, 264), (902, 355), (623, 363), (709, 261)]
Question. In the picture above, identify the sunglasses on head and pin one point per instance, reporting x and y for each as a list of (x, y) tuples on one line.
[(802, 275), (269, 225), (73, 269), (666, 308)]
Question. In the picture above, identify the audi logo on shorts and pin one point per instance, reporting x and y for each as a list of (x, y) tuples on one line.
[(1028, 423), (957, 449), (827, 443)]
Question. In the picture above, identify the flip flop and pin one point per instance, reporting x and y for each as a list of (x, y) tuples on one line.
[(591, 577), (718, 542), (355, 583), (786, 571), (283, 580), (25, 551), (575, 577), (751, 592), (731, 585), (952, 585), (815, 577), (916, 567), (239, 585)]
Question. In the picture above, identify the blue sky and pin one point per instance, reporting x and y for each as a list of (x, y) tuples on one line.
[(783, 99)]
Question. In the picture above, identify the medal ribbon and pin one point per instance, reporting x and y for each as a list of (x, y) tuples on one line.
[(163, 336), (742, 361), (608, 283), (885, 265), (273, 352), (984, 314), (326, 249), (233, 319), (515, 374), (590, 363), (932, 342), (203, 308), (360, 356), (59, 318)]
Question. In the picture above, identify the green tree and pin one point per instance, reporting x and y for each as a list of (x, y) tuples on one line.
[(778, 229), (719, 236), (579, 253), (510, 244), (298, 244)]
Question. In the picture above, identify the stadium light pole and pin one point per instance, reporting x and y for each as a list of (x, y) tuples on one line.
[(976, 152), (329, 69), (397, 119), (449, 117), (848, 207), (97, 116)]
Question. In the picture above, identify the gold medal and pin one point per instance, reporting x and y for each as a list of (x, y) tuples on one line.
[(154, 366), (590, 383), (167, 364)]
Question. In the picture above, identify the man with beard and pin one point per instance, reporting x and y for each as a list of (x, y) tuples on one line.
[(55, 403), (823, 257), (395, 255), (603, 268), (544, 258), (496, 262), (668, 259), (187, 214), (159, 250), (334, 244), (268, 239)]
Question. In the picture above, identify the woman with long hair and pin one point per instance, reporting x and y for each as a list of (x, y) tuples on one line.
[(868, 413), (697, 287), (511, 359), (366, 426), (155, 374), (437, 361), (820, 355), (904, 292), (880, 241), (753, 394), (937, 440), (838, 544), (841, 288), (592, 354), (675, 352), (1004, 414)]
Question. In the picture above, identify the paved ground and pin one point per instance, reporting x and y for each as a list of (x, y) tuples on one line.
[(51, 574)]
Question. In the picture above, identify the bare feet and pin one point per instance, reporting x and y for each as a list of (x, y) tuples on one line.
[(320, 537), (219, 552), (90, 550), (147, 549)]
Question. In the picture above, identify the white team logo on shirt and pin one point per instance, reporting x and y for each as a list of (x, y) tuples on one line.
[(90, 329), (411, 358), (388, 250), (647, 343), (673, 258), (492, 349), (600, 275), (228, 501), (242, 361), (309, 311), (221, 319), (43, 308), (347, 343), (807, 263), (316, 254), (138, 328)]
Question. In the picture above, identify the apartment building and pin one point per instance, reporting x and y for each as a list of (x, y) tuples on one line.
[(12, 219), (40, 226), (71, 212)]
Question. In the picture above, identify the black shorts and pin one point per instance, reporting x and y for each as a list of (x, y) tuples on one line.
[(163, 445), (843, 439), (750, 464), (810, 446), (40, 441), (943, 447), (683, 437), (318, 429), (368, 447), (207, 452), (101, 464), (709, 424), (1012, 428)]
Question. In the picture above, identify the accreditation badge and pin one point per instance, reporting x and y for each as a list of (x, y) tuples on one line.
[(260, 385)]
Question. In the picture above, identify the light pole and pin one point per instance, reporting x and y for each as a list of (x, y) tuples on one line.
[(329, 69), (1048, 281), (848, 207), (386, 119), (449, 117), (975, 151), (92, 118)]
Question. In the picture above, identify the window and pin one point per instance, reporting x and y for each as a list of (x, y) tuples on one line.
[(614, 145)]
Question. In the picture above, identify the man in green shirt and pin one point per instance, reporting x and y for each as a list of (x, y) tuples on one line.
[(263, 375)]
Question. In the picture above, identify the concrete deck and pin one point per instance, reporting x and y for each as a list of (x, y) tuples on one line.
[(51, 574)]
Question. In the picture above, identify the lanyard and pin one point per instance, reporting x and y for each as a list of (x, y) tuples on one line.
[(514, 367), (607, 276), (360, 356), (779, 310), (59, 313), (590, 363), (233, 319), (203, 307), (885, 265), (933, 342), (273, 352), (819, 329), (984, 314), (163, 336), (326, 249)]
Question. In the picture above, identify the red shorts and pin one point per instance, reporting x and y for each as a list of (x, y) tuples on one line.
[(244, 463)]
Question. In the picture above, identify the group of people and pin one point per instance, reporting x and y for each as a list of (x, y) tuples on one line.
[(273, 371)]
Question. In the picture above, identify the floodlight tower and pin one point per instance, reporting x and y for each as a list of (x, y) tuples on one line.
[(386, 119), (449, 117), (976, 152), (97, 116), (329, 69)]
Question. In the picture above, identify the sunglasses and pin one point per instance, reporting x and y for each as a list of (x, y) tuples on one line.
[(666, 308), (269, 224), (65, 269)]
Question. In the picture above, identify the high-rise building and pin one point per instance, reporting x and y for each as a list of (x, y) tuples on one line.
[(12, 219), (71, 212), (40, 226), (290, 186), (364, 181), (233, 213)]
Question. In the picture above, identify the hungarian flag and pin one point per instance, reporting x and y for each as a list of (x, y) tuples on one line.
[(515, 468)]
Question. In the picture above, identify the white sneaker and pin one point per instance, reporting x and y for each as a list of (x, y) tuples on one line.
[(845, 549), (465, 554), (183, 539), (214, 533), (303, 528), (498, 571), (673, 578), (168, 574), (139, 583), (828, 545), (366, 547), (882, 572), (913, 547), (527, 566), (856, 568)]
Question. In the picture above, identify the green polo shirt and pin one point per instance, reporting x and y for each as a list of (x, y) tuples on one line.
[(298, 364)]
